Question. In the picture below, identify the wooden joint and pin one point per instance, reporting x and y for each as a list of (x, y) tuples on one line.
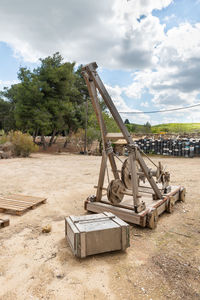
[(182, 194), (152, 219), (170, 205)]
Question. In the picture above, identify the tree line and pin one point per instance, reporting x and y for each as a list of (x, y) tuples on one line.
[(50, 100), (138, 128), (46, 101)]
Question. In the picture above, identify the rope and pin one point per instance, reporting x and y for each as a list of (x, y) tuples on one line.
[(118, 158)]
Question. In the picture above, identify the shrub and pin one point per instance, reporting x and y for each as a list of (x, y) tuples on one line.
[(22, 143), (3, 139)]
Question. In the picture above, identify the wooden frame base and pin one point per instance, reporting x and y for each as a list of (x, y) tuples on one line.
[(146, 218)]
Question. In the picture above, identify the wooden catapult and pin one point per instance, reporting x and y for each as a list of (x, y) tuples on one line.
[(137, 194)]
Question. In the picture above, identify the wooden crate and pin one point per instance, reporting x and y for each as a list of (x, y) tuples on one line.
[(19, 204), (4, 223), (93, 234)]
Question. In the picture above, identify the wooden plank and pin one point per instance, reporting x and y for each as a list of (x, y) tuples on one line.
[(83, 244), (125, 230), (161, 205), (19, 202), (24, 197), (114, 136), (121, 205), (7, 205), (124, 214), (134, 180), (101, 176), (95, 102), (15, 204)]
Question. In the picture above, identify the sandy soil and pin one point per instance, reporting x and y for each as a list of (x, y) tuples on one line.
[(160, 264)]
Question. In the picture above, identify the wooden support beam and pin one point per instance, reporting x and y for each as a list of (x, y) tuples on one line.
[(114, 136)]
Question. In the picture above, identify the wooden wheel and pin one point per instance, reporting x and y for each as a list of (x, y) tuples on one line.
[(126, 174), (115, 191)]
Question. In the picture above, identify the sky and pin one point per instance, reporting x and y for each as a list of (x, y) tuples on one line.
[(148, 51)]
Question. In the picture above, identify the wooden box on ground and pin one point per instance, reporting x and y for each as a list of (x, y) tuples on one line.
[(4, 223), (98, 233)]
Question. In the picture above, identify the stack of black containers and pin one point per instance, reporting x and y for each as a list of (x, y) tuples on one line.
[(173, 147)]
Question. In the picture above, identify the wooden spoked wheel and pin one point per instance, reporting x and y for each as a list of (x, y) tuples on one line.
[(126, 174)]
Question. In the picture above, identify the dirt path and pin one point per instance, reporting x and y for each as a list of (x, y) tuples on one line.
[(160, 264)]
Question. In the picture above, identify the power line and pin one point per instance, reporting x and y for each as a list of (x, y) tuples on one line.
[(157, 111)]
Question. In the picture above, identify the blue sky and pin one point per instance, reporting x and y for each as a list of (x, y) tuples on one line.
[(148, 51), (10, 64), (178, 12)]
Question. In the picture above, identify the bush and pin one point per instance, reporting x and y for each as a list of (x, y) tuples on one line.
[(22, 143), (3, 139)]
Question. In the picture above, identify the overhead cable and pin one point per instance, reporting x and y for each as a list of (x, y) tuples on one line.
[(157, 111)]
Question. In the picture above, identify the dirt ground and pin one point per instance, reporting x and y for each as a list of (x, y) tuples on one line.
[(160, 264)]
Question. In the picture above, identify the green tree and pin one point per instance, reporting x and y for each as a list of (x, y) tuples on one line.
[(51, 100), (5, 115), (57, 84), (126, 121), (147, 127), (81, 108), (47, 100)]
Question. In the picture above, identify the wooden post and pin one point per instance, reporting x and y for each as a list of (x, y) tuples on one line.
[(134, 177), (97, 109), (86, 116), (101, 176)]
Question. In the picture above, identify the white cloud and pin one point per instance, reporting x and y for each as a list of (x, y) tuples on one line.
[(116, 95), (7, 83), (169, 18), (174, 81), (118, 34), (109, 32), (144, 104)]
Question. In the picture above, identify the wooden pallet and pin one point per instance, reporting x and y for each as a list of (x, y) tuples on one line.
[(4, 223), (19, 204)]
